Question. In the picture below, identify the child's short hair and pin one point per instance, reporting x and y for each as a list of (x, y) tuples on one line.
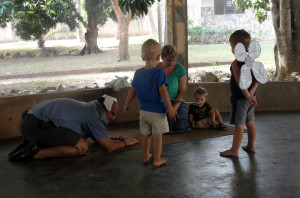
[(150, 49), (200, 91), (168, 50), (240, 36)]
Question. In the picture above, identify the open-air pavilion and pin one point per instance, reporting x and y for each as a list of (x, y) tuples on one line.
[(195, 168)]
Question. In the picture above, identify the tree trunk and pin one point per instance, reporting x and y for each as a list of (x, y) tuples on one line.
[(123, 24), (80, 33), (41, 42), (91, 35), (281, 17), (295, 5)]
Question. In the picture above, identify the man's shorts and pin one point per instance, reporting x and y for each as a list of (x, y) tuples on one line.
[(241, 112), (46, 134), (153, 123)]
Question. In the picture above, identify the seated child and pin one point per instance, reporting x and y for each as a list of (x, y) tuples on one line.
[(202, 115)]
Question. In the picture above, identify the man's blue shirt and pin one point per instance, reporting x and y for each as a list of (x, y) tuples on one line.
[(88, 119)]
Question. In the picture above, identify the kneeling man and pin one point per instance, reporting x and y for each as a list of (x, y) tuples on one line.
[(60, 127)]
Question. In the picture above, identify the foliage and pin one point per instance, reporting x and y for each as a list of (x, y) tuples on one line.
[(36, 17), (138, 8), (199, 35), (101, 8), (6, 10), (190, 23), (260, 6), (216, 63)]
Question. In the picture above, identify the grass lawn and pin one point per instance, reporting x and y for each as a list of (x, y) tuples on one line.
[(197, 54), (210, 54), (222, 53)]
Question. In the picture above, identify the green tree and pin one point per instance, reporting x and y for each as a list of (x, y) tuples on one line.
[(98, 12), (6, 11), (36, 17), (285, 15), (123, 18), (124, 11)]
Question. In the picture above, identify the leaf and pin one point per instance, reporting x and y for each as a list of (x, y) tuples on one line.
[(1, 10), (30, 12), (7, 3)]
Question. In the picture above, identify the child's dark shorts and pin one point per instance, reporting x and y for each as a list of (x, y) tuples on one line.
[(46, 134), (241, 112)]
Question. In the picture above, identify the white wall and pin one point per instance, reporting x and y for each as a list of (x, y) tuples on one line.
[(207, 3), (6, 33)]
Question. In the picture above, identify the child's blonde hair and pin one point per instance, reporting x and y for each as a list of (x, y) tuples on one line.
[(240, 36), (150, 49), (200, 91)]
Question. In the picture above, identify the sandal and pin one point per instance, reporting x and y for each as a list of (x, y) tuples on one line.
[(25, 153), (222, 126), (212, 126), (19, 147)]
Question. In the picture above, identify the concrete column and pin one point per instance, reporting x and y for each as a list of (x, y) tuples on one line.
[(177, 28)]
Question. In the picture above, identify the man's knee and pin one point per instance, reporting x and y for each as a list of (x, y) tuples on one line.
[(82, 146)]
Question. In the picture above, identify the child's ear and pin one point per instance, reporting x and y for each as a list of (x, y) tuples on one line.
[(158, 57), (142, 58)]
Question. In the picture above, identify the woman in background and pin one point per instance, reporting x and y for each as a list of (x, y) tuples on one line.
[(176, 89)]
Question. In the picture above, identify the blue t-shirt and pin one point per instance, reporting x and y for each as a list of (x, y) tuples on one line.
[(147, 84), (88, 119)]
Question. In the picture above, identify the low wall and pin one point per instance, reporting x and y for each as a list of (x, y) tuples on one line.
[(271, 96)]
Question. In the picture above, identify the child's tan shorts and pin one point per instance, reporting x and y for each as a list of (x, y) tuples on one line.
[(153, 123)]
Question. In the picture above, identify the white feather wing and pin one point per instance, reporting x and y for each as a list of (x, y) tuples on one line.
[(259, 72), (240, 52), (245, 77), (254, 49)]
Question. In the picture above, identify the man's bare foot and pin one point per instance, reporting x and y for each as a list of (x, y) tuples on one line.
[(160, 162), (248, 149), (147, 158), (229, 153)]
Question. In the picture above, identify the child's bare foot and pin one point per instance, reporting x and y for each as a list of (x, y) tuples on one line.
[(248, 149), (160, 162), (229, 153), (147, 158)]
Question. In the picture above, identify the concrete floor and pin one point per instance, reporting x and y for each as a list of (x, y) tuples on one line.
[(195, 169)]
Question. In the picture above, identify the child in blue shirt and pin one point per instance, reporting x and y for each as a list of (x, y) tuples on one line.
[(149, 84)]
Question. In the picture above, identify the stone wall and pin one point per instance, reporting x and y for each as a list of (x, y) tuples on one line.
[(245, 21), (270, 96)]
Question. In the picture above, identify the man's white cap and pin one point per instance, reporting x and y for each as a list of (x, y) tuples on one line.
[(108, 101)]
